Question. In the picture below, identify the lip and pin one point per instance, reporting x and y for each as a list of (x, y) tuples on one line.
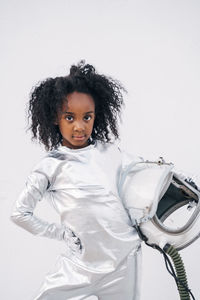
[(79, 137)]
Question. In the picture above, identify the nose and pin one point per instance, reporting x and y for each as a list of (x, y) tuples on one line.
[(79, 126)]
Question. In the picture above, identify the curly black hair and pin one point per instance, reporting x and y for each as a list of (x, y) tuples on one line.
[(46, 100)]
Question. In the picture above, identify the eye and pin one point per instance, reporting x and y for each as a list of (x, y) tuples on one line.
[(69, 118), (87, 118)]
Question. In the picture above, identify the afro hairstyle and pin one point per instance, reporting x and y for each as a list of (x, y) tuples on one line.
[(46, 100)]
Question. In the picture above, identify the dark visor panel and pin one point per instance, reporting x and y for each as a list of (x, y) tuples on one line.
[(176, 196)]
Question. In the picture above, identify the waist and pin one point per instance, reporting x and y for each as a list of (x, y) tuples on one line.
[(104, 252)]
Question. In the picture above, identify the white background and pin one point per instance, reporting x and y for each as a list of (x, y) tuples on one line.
[(152, 47)]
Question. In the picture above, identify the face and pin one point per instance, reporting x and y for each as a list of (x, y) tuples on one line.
[(76, 120)]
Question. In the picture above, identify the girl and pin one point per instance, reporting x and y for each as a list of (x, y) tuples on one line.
[(75, 117)]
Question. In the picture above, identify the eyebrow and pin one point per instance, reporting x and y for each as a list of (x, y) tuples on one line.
[(71, 113)]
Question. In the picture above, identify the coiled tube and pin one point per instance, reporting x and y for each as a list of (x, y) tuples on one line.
[(182, 283)]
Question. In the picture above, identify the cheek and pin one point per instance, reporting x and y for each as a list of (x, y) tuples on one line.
[(92, 126), (63, 128)]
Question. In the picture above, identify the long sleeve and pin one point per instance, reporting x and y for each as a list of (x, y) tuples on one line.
[(141, 185), (23, 213), (129, 163)]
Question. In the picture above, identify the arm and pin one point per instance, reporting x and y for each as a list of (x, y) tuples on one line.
[(142, 184), (23, 213), (129, 165)]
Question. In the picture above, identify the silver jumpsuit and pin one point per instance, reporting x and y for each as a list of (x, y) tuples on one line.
[(82, 185)]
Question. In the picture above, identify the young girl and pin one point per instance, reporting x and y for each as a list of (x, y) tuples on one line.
[(75, 117)]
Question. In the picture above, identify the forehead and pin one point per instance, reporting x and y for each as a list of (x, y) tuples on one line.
[(78, 102)]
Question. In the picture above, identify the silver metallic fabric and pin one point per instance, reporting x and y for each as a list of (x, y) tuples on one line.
[(142, 185), (82, 185)]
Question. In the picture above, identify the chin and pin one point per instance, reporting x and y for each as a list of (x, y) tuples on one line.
[(79, 144)]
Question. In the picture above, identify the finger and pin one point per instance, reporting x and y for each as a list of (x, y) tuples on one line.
[(77, 241)]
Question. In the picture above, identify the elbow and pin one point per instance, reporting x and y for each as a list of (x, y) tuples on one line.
[(15, 217), (19, 217), (12, 218)]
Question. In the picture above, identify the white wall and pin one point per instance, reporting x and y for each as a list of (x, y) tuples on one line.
[(153, 48)]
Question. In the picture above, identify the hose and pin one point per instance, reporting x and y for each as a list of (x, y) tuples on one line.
[(182, 283), (179, 273)]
